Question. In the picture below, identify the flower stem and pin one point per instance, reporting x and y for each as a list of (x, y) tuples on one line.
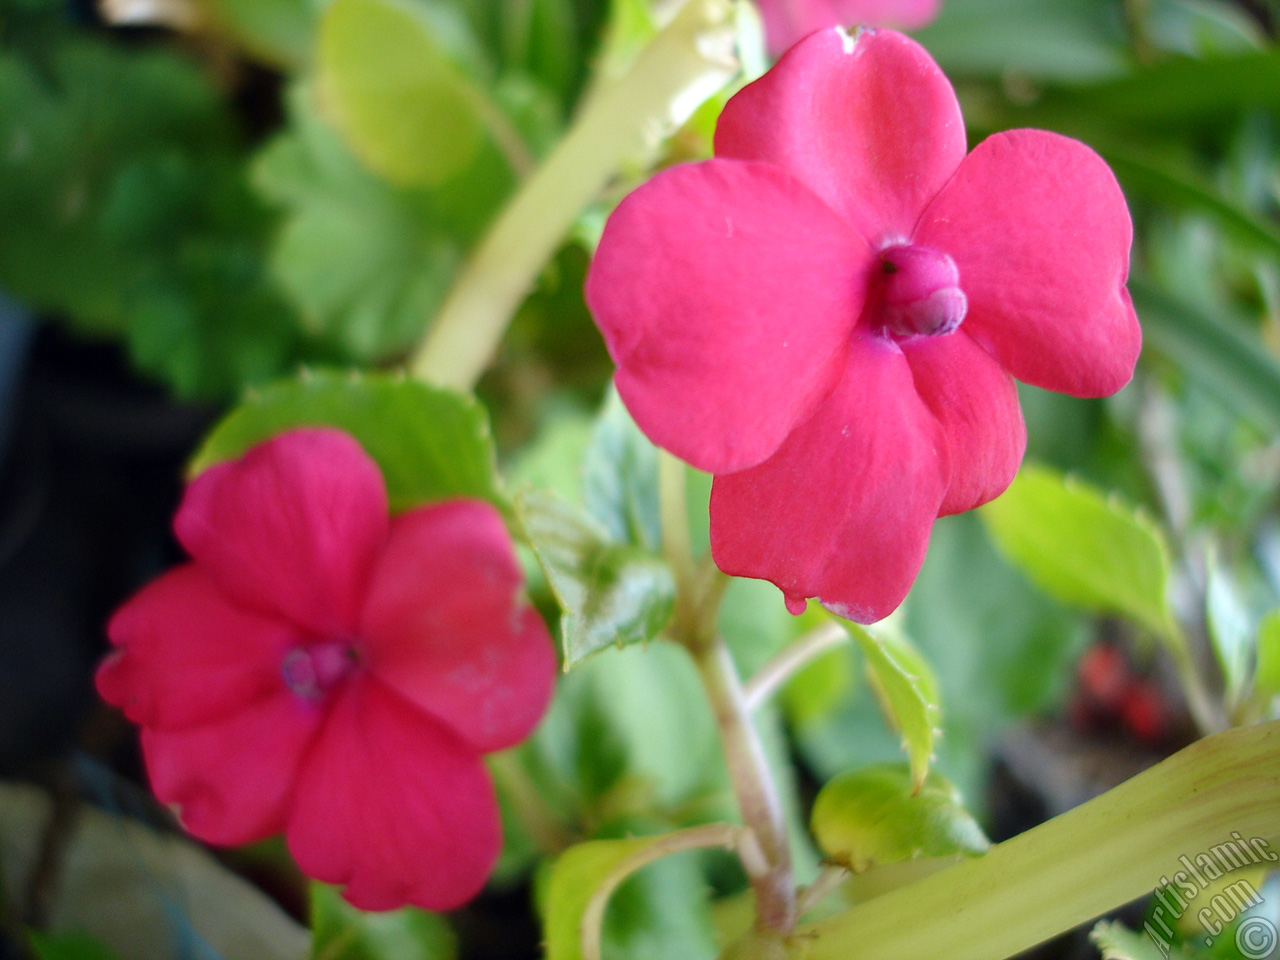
[(753, 785), (790, 660), (688, 61)]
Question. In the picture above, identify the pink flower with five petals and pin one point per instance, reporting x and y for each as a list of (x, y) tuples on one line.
[(786, 21), (828, 316), (327, 671)]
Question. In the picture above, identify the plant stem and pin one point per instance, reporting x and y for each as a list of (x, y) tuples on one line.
[(753, 785), (688, 61), (674, 514), (693, 838), (791, 659)]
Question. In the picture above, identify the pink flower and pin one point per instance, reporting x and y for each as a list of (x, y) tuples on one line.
[(786, 21), (827, 314), (325, 671)]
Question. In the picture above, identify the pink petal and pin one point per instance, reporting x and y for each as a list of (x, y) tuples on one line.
[(232, 780), (868, 122), (725, 292), (786, 21), (185, 655), (1039, 229), (393, 806), (843, 510), (977, 404), (291, 528), (446, 626)]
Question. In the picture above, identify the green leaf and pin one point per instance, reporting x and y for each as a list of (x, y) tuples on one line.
[(68, 946), (1227, 358), (279, 32), (366, 264), (1084, 548), (817, 690), (611, 593), (430, 444), (907, 690), (879, 815), (341, 932), (1117, 942), (585, 876), (1230, 629), (1076, 867), (1266, 678), (620, 478), (406, 108)]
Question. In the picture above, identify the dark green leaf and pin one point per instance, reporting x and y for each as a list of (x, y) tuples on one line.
[(611, 593), (68, 946), (431, 444), (878, 815)]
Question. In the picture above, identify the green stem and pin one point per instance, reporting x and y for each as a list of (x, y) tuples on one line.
[(791, 659), (688, 61), (753, 785), (676, 545), (1102, 854)]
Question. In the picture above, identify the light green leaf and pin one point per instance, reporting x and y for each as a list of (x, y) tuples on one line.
[(406, 108), (1117, 942), (585, 877), (1230, 631), (279, 32), (341, 932), (907, 690), (611, 593), (1266, 678), (1074, 868), (817, 690), (430, 444), (365, 263), (620, 478), (1084, 548), (878, 815)]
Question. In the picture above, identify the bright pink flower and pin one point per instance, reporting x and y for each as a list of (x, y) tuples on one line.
[(827, 314), (324, 670), (786, 21)]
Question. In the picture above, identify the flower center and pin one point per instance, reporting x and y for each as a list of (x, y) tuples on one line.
[(312, 671), (919, 292)]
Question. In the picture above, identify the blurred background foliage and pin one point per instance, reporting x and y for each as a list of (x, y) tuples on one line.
[(220, 192)]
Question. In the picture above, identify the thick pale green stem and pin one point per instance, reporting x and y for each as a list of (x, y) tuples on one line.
[(1074, 868), (770, 869), (688, 61)]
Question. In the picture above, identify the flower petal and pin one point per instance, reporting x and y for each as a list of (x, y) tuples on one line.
[(843, 510), (725, 292), (393, 806), (232, 780), (868, 122), (185, 655), (445, 625), (786, 21), (291, 528), (977, 404), (1040, 232)]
